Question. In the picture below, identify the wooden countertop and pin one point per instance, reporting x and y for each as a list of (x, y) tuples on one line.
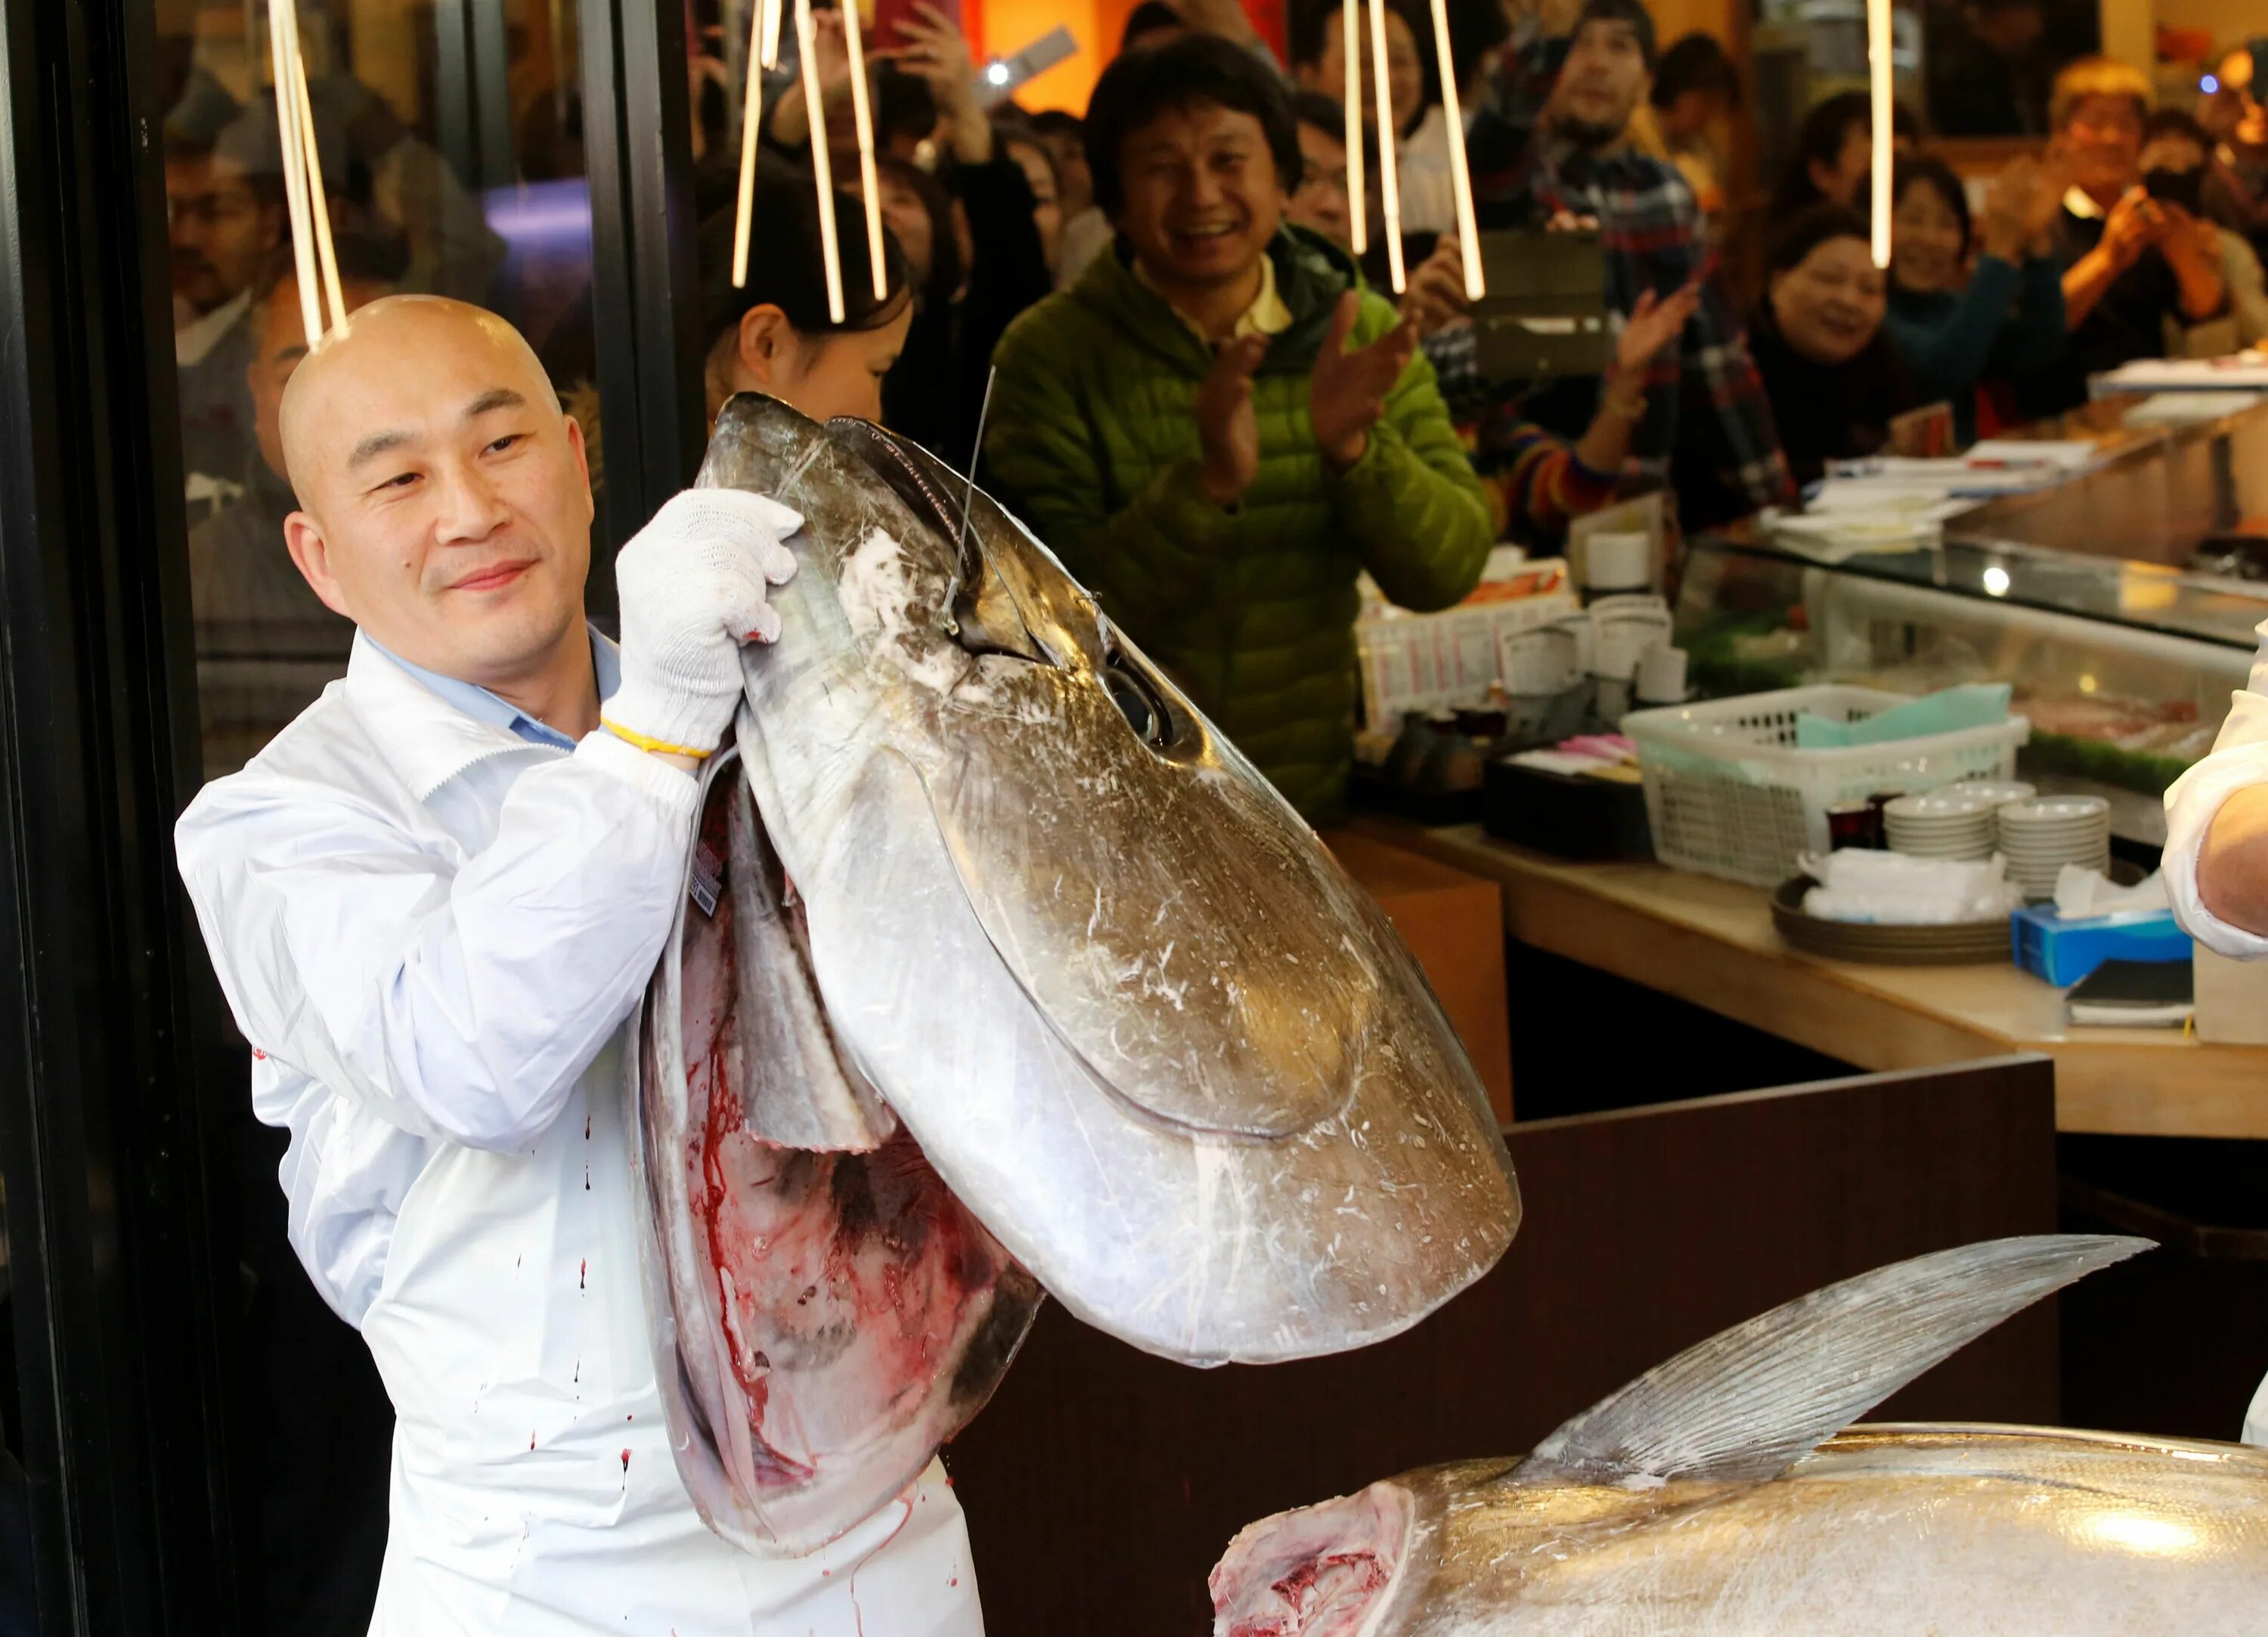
[(1712, 943)]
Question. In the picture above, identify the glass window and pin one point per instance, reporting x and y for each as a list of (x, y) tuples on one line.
[(452, 157)]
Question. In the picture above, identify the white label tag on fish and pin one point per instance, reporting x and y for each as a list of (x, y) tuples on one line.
[(706, 878)]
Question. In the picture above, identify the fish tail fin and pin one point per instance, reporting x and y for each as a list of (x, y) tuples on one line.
[(1749, 1401)]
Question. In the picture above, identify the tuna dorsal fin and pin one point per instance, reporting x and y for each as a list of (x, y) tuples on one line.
[(1748, 1401)]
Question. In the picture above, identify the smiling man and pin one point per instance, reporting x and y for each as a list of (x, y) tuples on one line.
[(431, 901), (1217, 427)]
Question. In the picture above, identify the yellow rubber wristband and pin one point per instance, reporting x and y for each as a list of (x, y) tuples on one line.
[(661, 747)]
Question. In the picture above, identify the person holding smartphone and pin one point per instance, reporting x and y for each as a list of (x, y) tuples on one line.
[(2176, 156), (2130, 261)]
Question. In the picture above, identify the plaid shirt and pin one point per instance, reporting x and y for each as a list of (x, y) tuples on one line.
[(1654, 239)]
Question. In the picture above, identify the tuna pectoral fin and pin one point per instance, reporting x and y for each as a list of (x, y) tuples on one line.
[(1743, 1404)]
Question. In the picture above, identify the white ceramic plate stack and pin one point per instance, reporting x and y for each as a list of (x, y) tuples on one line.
[(1950, 822), (2002, 790), (2042, 835)]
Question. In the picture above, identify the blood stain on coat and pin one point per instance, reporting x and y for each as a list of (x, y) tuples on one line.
[(583, 1275)]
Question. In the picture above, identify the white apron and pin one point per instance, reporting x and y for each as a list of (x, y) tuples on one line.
[(533, 1493)]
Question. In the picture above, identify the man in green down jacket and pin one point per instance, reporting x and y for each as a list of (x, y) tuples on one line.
[(1217, 426)]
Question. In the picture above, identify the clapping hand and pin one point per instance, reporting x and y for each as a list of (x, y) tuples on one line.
[(1346, 395), (1653, 324), (1228, 433), (2011, 209)]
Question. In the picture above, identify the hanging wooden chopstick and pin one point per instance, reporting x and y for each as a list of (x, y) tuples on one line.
[(1461, 176), (318, 199), (863, 117), (822, 171), (283, 52), (768, 24), (1885, 100), (752, 112), (1358, 205), (1389, 186)]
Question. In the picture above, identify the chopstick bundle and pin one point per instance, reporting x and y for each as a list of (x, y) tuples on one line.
[(1878, 62), (314, 257), (762, 53), (822, 169), (1351, 49), (862, 116), (1389, 186), (1461, 176)]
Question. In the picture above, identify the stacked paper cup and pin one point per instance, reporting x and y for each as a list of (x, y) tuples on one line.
[(2042, 835), (1951, 822)]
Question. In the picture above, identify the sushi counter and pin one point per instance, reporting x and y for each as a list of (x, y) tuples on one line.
[(1713, 943)]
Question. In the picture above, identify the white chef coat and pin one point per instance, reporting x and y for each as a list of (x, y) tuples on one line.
[(431, 927), (2239, 758)]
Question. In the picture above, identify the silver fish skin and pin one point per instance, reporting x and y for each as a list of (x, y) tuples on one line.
[(1132, 1010), (1715, 1496)]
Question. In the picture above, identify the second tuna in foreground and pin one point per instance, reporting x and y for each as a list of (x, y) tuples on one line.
[(1713, 1495)]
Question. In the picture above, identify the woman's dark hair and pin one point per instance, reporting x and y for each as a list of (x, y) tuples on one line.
[(1326, 114), (1927, 170), (1631, 11), (1200, 69), (1056, 123), (1152, 17), (1809, 229), (1694, 62), (1821, 136), (787, 267)]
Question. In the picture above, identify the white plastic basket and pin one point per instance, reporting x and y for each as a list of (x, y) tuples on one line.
[(1727, 794)]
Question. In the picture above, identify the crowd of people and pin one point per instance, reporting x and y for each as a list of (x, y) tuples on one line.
[(1214, 410)]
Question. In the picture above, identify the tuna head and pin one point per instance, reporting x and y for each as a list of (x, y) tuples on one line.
[(999, 969), (1134, 1014)]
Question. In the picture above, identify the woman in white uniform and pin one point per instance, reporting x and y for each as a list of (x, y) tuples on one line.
[(2216, 861), (432, 901)]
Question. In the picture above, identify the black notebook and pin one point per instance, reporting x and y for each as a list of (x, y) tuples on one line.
[(2135, 995)]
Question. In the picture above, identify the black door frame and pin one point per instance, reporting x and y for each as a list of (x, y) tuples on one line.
[(120, 1270)]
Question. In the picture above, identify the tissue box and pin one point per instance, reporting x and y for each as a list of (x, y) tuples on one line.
[(2063, 952)]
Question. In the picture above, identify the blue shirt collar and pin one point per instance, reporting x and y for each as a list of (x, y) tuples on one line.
[(483, 706)]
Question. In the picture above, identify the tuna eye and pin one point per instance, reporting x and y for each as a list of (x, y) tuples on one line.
[(1135, 703)]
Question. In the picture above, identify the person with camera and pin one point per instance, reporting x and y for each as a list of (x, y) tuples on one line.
[(2133, 260), (2176, 160)]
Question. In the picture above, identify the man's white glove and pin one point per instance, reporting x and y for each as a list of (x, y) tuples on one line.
[(693, 586)]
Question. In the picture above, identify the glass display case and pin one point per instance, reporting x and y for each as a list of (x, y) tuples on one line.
[(2123, 668), (2170, 491)]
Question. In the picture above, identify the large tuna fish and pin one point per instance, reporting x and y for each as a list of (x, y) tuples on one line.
[(999, 965), (1712, 1496)]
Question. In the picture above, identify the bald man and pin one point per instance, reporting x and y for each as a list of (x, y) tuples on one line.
[(432, 900)]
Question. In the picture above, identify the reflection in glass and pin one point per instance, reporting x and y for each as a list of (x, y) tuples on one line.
[(450, 140)]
